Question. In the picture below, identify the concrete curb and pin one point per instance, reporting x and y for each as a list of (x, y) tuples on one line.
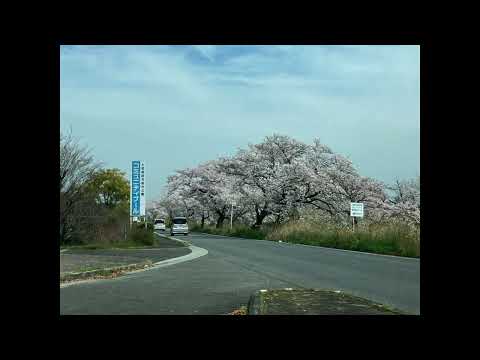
[(186, 243), (254, 306), (196, 252), (70, 276), (257, 305)]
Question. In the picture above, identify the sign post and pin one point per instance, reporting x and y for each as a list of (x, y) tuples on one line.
[(356, 210), (137, 191), (231, 215)]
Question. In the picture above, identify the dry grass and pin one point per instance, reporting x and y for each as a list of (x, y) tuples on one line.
[(394, 238), (241, 311), (391, 239)]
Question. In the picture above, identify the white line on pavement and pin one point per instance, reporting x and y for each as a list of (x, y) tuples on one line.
[(196, 253)]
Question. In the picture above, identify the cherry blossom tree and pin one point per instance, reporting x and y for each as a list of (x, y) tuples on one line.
[(265, 174), (205, 189), (405, 202), (281, 178)]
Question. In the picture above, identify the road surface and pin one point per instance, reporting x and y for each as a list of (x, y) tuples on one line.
[(224, 279)]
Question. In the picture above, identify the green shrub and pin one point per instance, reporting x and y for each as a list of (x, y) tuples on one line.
[(140, 235)]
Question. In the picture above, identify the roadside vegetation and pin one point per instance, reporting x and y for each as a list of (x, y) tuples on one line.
[(279, 190), (388, 239), (94, 203), (284, 189), (137, 237), (243, 231)]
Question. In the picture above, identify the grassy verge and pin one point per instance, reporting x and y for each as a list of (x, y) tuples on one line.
[(388, 239), (103, 273), (137, 238), (241, 231), (116, 245)]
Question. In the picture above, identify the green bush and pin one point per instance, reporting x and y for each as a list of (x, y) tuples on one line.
[(140, 235)]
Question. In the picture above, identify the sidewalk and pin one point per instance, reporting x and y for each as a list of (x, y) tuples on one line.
[(312, 302)]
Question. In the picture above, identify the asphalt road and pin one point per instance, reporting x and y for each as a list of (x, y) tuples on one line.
[(224, 279)]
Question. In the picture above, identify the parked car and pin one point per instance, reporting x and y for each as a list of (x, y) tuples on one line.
[(159, 224), (179, 226)]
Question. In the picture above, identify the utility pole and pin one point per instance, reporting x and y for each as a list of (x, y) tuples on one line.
[(231, 216)]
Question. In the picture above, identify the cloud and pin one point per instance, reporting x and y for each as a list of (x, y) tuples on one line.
[(208, 51), (178, 110)]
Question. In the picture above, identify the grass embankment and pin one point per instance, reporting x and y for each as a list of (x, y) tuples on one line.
[(388, 239)]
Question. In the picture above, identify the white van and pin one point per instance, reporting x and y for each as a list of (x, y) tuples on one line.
[(179, 226), (159, 224)]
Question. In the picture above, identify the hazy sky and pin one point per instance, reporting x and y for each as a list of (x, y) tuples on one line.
[(177, 106)]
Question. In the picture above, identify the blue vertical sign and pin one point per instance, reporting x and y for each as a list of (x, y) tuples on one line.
[(135, 189)]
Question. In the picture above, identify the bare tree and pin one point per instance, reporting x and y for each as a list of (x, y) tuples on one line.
[(77, 165)]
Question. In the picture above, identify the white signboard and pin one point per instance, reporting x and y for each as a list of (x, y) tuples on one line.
[(142, 188), (137, 189), (356, 209)]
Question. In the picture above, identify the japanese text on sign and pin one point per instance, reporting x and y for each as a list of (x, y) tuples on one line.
[(356, 209)]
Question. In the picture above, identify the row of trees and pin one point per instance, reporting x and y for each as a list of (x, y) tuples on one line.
[(93, 200), (281, 179)]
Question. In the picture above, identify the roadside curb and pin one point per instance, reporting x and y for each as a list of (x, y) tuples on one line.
[(89, 276), (195, 252), (71, 276), (255, 303), (184, 242), (258, 304)]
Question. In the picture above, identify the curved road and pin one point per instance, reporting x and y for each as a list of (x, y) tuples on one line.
[(225, 278)]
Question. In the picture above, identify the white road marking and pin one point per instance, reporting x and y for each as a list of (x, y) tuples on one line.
[(196, 253)]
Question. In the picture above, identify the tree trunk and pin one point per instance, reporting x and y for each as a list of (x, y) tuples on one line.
[(64, 229), (220, 220), (62, 233), (259, 218), (203, 221), (278, 219)]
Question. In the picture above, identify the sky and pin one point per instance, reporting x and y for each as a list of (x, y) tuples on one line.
[(177, 106)]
